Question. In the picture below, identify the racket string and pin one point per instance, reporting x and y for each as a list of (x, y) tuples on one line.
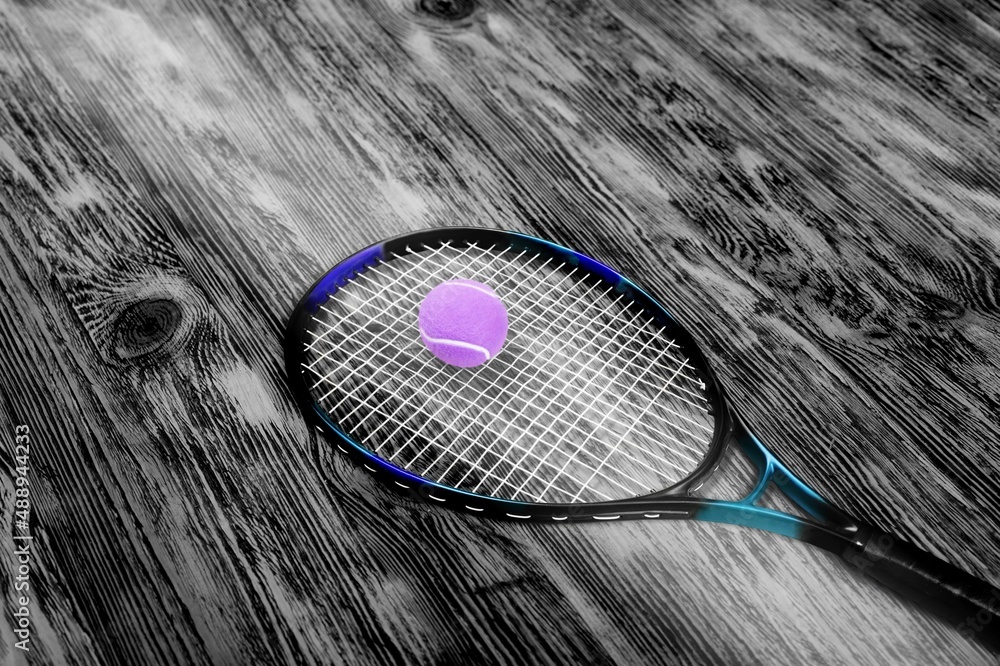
[(429, 418), (546, 388), (402, 329), (588, 387), (414, 292), (442, 428), (427, 359), (388, 285), (417, 433), (377, 408), (369, 303), (621, 439), (501, 361), (586, 402), (425, 471)]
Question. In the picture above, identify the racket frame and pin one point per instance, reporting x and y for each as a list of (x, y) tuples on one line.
[(823, 524)]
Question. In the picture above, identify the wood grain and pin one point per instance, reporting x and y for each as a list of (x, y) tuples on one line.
[(813, 186)]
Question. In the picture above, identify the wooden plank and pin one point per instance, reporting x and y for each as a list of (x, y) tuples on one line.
[(811, 187)]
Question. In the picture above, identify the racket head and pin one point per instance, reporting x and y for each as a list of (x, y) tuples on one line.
[(341, 338)]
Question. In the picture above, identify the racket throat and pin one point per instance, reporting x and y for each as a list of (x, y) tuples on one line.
[(775, 475)]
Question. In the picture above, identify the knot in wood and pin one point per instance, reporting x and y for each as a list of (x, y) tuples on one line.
[(448, 10), (146, 330)]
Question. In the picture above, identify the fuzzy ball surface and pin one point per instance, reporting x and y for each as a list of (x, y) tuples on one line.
[(463, 322)]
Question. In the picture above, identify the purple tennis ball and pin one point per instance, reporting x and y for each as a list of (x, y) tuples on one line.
[(463, 322)]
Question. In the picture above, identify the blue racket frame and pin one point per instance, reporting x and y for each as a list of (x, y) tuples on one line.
[(935, 584)]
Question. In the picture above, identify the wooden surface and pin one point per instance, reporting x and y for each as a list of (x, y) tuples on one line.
[(813, 186)]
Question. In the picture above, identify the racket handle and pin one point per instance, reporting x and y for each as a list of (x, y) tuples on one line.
[(968, 603)]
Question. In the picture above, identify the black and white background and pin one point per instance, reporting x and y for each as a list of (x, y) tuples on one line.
[(813, 186)]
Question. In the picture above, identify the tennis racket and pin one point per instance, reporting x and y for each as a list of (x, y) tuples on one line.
[(600, 407)]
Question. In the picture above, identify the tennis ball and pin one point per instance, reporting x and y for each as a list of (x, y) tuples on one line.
[(463, 322)]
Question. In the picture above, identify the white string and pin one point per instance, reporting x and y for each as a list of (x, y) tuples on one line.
[(413, 294), (699, 448), (561, 367), (447, 426), (360, 359), (562, 391), (428, 359), (410, 296), (457, 394), (423, 283), (367, 276), (617, 443), (587, 386), (431, 443), (487, 408), (400, 333), (520, 332), (555, 446), (444, 368), (582, 444), (547, 331), (374, 271), (430, 419)]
